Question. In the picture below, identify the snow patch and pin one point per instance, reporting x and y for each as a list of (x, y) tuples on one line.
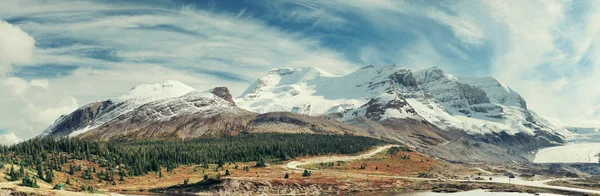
[(570, 153)]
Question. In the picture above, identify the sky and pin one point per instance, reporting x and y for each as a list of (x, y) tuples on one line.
[(58, 55)]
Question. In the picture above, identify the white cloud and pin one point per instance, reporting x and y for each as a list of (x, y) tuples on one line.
[(8, 139), (27, 109), (178, 38), (530, 55), (197, 47), (203, 49), (16, 47)]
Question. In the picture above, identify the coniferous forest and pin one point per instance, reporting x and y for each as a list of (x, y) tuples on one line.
[(138, 158)]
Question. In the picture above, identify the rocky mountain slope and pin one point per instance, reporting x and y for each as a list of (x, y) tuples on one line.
[(171, 109), (456, 118), (391, 101)]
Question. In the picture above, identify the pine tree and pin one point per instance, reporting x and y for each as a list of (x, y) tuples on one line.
[(286, 175), (71, 170), (205, 177), (227, 173), (90, 189), (220, 164), (13, 175), (21, 170), (49, 176), (40, 171), (306, 173), (160, 175), (261, 162), (186, 181)]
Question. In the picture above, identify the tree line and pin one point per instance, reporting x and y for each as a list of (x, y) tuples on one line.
[(141, 157)]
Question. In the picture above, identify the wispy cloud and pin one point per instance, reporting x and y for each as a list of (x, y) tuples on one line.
[(88, 50), (91, 50)]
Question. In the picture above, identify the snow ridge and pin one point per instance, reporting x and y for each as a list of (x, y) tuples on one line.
[(159, 101), (475, 105)]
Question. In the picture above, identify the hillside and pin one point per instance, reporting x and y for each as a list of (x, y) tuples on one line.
[(430, 109), (173, 110)]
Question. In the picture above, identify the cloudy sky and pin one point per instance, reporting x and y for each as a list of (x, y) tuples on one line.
[(57, 55)]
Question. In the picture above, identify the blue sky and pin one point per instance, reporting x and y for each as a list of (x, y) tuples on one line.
[(93, 50)]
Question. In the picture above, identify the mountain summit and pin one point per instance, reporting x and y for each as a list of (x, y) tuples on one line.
[(171, 109), (426, 108), (456, 118), (475, 105)]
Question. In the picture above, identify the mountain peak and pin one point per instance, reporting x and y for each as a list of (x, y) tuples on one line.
[(223, 93), (432, 74), (157, 91), (306, 71)]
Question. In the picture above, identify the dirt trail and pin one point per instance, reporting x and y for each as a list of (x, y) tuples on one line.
[(295, 165)]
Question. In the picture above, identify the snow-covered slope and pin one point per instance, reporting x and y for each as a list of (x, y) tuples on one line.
[(476, 105), (473, 105), (93, 115), (570, 153), (171, 109), (314, 92)]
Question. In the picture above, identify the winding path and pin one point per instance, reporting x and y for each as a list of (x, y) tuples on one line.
[(295, 165)]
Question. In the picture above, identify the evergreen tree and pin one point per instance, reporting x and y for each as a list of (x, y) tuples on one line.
[(40, 171), (13, 175), (261, 162), (227, 173), (71, 170), (29, 182), (21, 170), (306, 173), (286, 175), (49, 176)]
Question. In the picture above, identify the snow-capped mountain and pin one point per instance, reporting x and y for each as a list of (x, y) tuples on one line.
[(391, 101), (171, 109), (475, 105), (95, 114), (456, 118), (315, 92)]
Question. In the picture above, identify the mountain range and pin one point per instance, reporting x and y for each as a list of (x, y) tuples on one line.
[(464, 119)]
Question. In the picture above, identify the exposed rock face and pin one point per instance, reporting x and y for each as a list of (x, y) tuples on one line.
[(223, 93), (435, 107), (195, 114), (81, 117), (444, 115)]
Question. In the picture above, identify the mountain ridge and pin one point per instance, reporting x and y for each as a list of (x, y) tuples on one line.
[(428, 109)]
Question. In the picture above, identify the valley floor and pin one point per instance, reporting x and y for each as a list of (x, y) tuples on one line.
[(379, 170)]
